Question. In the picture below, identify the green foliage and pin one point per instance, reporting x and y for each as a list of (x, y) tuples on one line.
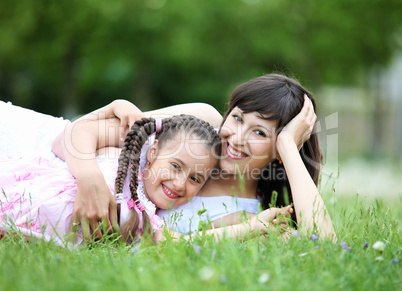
[(79, 55), (299, 263)]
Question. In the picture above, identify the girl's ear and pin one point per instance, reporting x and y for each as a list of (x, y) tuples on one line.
[(152, 152)]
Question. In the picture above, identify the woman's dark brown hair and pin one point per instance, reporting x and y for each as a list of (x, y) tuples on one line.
[(130, 157), (280, 98)]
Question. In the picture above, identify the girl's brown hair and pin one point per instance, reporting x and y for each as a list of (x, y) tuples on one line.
[(130, 157)]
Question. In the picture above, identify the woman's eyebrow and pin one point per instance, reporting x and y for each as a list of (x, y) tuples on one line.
[(238, 111), (259, 125), (263, 126)]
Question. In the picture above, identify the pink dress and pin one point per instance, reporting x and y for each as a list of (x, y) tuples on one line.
[(37, 198)]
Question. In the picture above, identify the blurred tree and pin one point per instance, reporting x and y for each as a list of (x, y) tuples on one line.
[(69, 56)]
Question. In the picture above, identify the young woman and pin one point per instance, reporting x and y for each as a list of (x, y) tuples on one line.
[(266, 138)]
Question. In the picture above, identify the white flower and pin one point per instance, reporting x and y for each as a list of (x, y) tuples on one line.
[(206, 273), (379, 246), (263, 278), (380, 258)]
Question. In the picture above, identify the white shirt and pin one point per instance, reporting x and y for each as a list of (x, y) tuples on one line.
[(185, 219)]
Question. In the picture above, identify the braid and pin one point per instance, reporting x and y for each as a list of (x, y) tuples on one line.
[(130, 157)]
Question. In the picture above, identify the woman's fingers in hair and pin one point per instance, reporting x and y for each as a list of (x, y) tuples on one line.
[(310, 117)]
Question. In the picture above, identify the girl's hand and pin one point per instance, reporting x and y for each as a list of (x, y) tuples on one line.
[(128, 113), (94, 208), (300, 127)]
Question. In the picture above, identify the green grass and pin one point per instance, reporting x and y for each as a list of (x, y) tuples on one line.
[(255, 264)]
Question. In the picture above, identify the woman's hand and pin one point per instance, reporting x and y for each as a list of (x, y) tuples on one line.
[(128, 114), (300, 127), (270, 217)]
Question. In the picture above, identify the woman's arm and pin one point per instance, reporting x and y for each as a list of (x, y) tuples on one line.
[(310, 209), (257, 224)]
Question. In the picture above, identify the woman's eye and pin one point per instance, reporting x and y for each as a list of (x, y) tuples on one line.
[(237, 118), (260, 133), (195, 179)]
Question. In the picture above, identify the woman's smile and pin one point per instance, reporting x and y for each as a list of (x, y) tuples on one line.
[(234, 153)]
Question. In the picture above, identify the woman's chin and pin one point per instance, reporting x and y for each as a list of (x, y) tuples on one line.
[(230, 167)]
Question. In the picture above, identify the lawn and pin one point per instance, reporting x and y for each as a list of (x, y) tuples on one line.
[(255, 264)]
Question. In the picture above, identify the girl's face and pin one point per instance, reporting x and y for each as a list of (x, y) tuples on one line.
[(177, 171), (248, 143)]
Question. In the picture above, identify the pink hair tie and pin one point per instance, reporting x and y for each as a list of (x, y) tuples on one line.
[(158, 123), (137, 203)]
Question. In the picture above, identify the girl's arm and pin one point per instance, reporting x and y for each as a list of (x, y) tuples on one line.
[(310, 209), (200, 110), (128, 113), (77, 144)]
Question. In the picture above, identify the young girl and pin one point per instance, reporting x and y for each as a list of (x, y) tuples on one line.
[(179, 154)]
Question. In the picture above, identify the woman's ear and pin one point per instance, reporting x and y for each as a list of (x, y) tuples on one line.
[(152, 152)]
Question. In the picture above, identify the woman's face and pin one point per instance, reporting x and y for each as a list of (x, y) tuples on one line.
[(177, 171), (248, 143)]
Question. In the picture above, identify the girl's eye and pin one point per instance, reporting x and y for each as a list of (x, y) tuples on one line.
[(195, 179), (237, 118), (176, 166), (260, 133)]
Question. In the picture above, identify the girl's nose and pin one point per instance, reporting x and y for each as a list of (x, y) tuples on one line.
[(179, 182)]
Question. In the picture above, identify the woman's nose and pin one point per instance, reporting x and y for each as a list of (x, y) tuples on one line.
[(238, 136)]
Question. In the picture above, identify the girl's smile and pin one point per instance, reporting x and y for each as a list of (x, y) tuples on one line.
[(169, 192)]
